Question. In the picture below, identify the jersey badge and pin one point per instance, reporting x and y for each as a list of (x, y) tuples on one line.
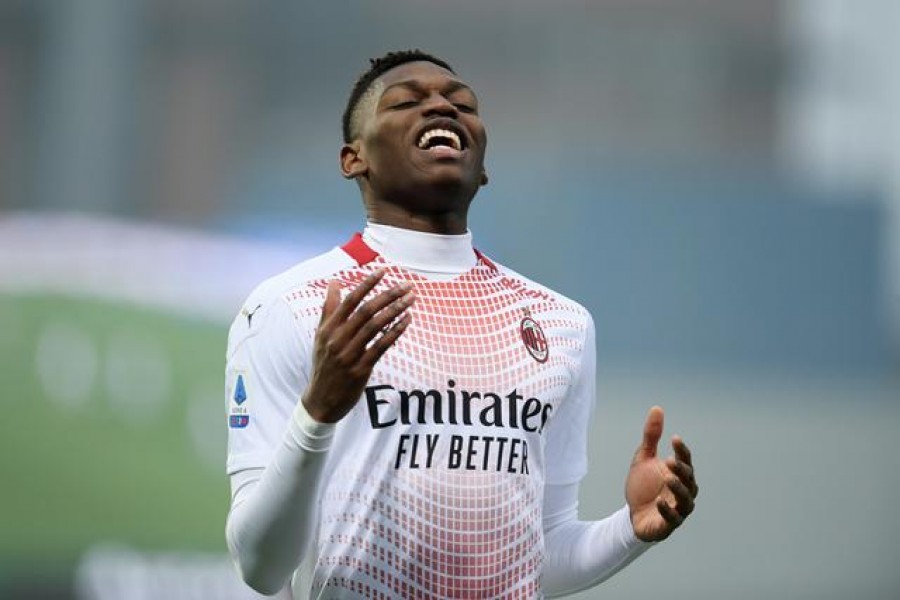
[(238, 421), (239, 416), (534, 339), (240, 393)]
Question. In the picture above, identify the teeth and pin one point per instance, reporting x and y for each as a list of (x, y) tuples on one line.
[(444, 133)]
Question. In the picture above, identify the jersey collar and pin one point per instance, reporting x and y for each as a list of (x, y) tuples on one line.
[(415, 250)]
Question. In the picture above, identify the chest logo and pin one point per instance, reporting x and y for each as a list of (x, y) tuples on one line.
[(534, 339)]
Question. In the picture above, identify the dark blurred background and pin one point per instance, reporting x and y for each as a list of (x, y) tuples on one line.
[(719, 183)]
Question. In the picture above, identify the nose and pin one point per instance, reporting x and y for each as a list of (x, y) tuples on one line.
[(437, 104)]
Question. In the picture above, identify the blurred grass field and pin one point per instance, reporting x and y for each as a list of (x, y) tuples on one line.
[(113, 428)]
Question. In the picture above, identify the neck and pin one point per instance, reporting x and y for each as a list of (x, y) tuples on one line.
[(445, 223), (444, 214)]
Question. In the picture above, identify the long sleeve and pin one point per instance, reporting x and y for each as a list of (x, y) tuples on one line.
[(581, 554), (276, 452), (273, 510)]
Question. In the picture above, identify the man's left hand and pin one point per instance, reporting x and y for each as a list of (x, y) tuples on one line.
[(660, 493)]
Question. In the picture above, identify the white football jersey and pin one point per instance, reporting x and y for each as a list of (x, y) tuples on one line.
[(433, 485)]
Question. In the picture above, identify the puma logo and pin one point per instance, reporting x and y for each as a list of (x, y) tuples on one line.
[(249, 314)]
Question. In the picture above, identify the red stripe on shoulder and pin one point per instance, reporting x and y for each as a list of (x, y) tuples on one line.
[(359, 250), (487, 262)]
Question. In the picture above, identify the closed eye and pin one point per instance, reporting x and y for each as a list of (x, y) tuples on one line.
[(466, 108), (403, 105)]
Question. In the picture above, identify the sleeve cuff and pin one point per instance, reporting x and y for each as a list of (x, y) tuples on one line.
[(625, 530), (308, 433)]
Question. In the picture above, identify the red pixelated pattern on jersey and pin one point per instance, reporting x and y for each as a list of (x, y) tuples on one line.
[(437, 532)]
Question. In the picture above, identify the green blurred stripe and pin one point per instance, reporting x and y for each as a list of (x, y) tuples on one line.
[(73, 478)]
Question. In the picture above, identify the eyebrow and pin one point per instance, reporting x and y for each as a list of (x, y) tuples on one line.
[(411, 84)]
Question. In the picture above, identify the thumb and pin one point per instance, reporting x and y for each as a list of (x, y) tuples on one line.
[(332, 299), (653, 429)]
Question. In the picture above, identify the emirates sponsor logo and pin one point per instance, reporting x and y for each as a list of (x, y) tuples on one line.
[(503, 425), (534, 339)]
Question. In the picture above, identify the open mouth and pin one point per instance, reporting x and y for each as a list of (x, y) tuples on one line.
[(440, 140)]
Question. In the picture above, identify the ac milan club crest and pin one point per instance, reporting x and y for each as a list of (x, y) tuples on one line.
[(534, 338)]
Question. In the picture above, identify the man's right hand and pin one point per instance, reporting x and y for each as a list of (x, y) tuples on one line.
[(352, 336)]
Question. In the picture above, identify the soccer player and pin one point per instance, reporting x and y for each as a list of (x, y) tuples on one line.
[(408, 418)]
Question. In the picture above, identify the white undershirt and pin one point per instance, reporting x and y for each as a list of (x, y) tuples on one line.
[(273, 510)]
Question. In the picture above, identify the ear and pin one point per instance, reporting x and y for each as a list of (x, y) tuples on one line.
[(484, 177), (353, 163)]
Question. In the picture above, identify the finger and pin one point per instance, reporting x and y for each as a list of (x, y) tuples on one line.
[(381, 345), (684, 500), (682, 470), (653, 428), (681, 449), (365, 315), (332, 299), (669, 514), (356, 296), (380, 321)]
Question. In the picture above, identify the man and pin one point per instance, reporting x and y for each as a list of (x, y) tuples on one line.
[(408, 418)]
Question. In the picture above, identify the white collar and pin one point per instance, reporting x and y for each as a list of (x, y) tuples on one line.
[(423, 252)]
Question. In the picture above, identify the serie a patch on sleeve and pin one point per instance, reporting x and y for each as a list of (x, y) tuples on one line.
[(238, 415)]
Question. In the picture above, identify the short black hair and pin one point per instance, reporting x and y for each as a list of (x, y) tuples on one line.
[(378, 67)]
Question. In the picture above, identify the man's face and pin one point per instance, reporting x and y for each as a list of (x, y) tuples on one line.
[(421, 133)]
